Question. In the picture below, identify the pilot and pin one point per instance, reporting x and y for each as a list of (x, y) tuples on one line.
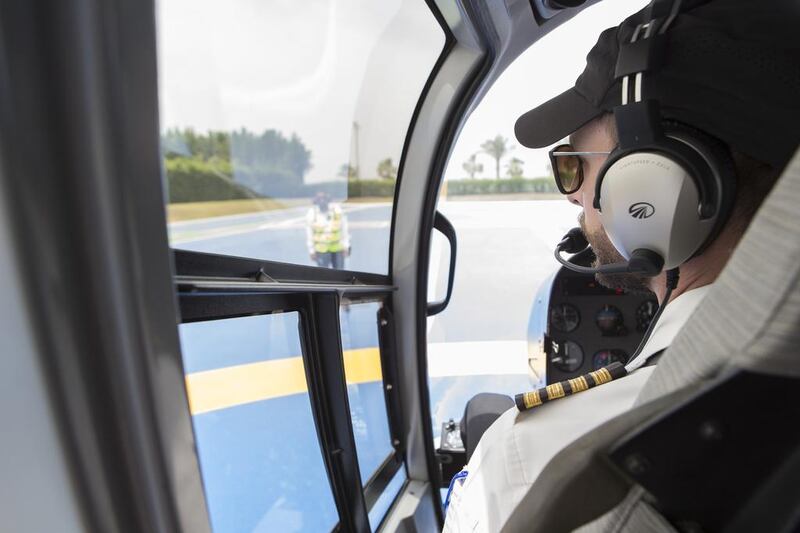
[(702, 132)]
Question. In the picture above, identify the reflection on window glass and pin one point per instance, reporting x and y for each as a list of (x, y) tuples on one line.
[(256, 440), (506, 209), (365, 386), (282, 126)]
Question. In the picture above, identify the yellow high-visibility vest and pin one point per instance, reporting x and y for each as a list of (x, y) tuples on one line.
[(326, 232)]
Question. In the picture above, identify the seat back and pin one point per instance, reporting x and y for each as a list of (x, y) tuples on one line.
[(750, 317)]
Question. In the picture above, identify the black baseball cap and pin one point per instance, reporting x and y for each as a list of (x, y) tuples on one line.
[(731, 68)]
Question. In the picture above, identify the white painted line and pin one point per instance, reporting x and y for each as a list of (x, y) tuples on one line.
[(348, 208), (477, 358), (297, 222), (233, 218)]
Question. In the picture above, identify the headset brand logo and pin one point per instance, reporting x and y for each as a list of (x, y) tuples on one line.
[(641, 210)]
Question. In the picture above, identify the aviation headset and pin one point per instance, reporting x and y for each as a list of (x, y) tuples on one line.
[(667, 189)]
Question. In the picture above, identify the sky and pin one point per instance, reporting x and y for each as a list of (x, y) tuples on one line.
[(315, 71), (543, 71)]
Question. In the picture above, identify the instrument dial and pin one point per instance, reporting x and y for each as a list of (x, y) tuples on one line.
[(606, 357), (644, 314), (609, 320), (568, 356), (565, 317)]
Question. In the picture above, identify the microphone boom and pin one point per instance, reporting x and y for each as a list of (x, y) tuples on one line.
[(642, 261)]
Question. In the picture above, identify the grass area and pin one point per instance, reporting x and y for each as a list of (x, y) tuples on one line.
[(193, 210), (179, 212), (470, 197)]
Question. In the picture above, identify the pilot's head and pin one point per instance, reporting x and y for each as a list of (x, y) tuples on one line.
[(678, 162)]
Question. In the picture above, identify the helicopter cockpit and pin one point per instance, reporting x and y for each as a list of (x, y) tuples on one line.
[(282, 267)]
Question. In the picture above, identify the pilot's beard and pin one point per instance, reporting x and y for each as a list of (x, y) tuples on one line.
[(605, 254)]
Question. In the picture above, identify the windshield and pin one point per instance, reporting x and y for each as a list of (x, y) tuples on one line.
[(283, 127), (508, 214)]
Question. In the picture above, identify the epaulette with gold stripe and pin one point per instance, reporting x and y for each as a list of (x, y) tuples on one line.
[(529, 400)]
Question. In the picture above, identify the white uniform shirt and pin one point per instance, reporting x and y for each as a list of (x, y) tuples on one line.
[(517, 447)]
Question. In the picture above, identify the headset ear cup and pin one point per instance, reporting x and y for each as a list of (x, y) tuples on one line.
[(649, 201), (687, 178), (722, 175)]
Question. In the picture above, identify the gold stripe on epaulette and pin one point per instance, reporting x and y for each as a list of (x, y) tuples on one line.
[(578, 384), (532, 399), (602, 376), (556, 390)]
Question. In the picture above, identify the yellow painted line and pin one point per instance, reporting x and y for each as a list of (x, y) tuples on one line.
[(216, 389), (362, 365)]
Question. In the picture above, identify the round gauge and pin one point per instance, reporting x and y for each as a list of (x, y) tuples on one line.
[(568, 356), (606, 357), (644, 314), (609, 320), (565, 317)]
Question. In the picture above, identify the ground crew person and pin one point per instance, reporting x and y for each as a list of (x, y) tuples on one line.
[(327, 237)]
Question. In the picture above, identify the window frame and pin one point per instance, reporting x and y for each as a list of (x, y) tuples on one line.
[(209, 277), (124, 412), (215, 287), (198, 271)]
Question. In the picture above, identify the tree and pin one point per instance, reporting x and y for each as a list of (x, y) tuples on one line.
[(472, 167), (497, 148), (269, 163), (348, 171), (387, 170), (514, 167), (271, 152)]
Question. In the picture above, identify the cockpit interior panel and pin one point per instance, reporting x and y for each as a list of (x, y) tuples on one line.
[(578, 325)]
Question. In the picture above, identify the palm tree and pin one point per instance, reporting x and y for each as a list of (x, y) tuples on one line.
[(497, 148), (348, 171), (387, 170), (514, 168), (472, 167)]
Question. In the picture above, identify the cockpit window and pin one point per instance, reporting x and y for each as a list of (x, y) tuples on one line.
[(256, 440), (508, 215), (282, 124)]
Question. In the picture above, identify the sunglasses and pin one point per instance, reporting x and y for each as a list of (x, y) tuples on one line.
[(568, 167)]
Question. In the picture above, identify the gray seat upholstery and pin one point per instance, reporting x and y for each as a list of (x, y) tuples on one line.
[(751, 315), (750, 319)]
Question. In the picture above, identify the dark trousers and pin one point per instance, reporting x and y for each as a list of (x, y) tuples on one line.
[(331, 260)]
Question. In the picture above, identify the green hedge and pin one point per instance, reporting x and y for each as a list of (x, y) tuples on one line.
[(193, 180), (501, 186), (190, 180), (370, 188)]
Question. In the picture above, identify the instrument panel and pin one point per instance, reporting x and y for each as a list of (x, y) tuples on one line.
[(577, 326), (591, 326)]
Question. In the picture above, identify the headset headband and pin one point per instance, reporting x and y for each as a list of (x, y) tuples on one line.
[(653, 48), (639, 120)]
